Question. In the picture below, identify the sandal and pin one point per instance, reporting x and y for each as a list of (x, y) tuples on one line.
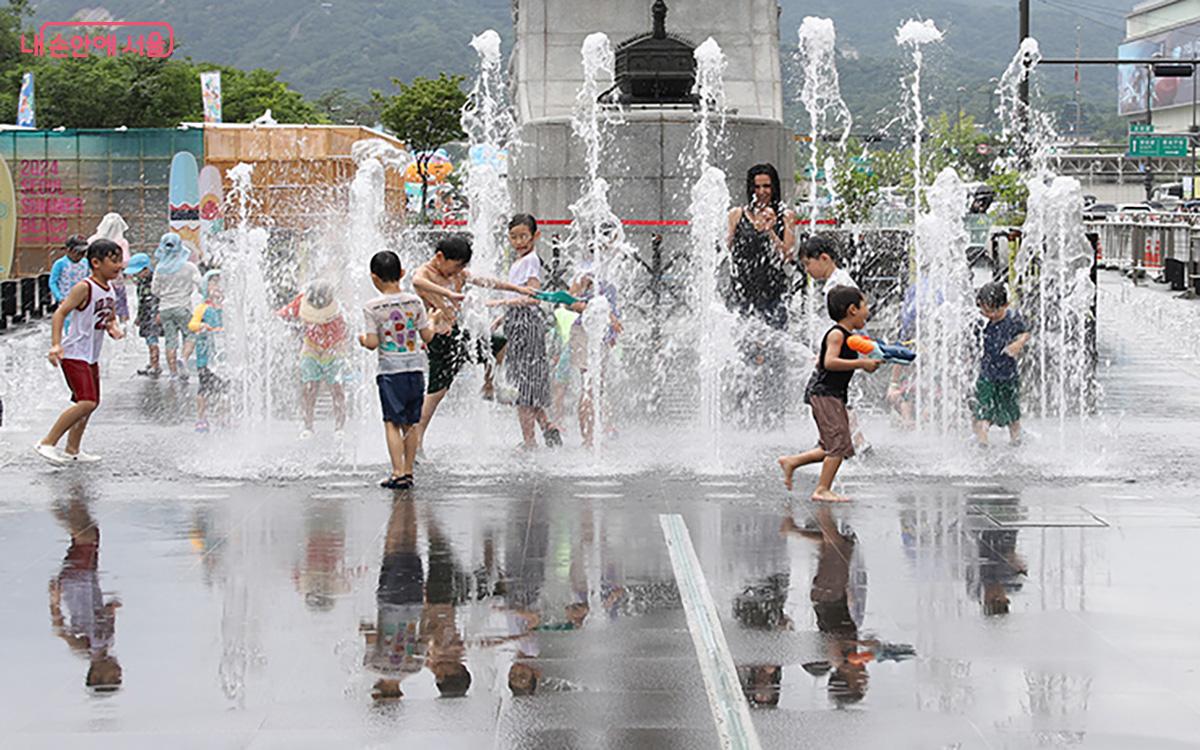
[(552, 437), (397, 483)]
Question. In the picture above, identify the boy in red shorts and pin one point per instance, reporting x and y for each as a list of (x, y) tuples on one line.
[(92, 307)]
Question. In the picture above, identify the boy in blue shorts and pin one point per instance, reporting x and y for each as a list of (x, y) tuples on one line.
[(398, 328), (1001, 339)]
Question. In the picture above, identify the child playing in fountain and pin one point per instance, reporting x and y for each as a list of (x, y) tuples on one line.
[(820, 258), (92, 305), (399, 329), (827, 390), (439, 283), (998, 390), (208, 321), (148, 325), (322, 356), (525, 328), (175, 280), (70, 269)]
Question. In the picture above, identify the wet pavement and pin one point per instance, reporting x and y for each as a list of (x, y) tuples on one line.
[(1034, 597)]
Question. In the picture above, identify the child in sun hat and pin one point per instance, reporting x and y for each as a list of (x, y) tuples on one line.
[(323, 353)]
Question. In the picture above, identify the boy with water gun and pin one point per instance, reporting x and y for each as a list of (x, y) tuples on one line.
[(998, 390)]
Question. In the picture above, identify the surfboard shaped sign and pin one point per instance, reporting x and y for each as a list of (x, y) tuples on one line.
[(183, 200), (212, 215), (8, 221)]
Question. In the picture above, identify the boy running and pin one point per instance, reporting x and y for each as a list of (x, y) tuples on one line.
[(439, 283), (92, 306), (399, 329), (827, 390)]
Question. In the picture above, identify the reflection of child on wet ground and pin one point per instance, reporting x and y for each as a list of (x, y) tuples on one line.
[(322, 355), (399, 329), (90, 626), (92, 307), (585, 287), (827, 392), (148, 325), (392, 643), (528, 367), (175, 280), (207, 323), (440, 283), (998, 390)]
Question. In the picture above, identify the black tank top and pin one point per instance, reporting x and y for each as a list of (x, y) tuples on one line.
[(834, 383), (756, 268)]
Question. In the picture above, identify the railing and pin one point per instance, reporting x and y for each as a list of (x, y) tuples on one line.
[(23, 300), (1162, 246)]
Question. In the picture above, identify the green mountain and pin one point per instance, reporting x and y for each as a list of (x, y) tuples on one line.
[(360, 45)]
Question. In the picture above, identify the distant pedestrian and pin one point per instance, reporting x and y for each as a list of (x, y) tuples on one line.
[(176, 279)]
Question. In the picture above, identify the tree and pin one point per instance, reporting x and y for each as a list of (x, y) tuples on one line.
[(246, 95), (426, 115), (340, 106)]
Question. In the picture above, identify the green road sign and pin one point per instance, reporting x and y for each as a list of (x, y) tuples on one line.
[(1158, 146)]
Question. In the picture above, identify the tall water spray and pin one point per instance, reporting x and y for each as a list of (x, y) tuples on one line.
[(943, 304), (706, 230), (489, 124), (1028, 132), (821, 96), (249, 320), (1055, 289), (916, 34), (595, 229), (1052, 269)]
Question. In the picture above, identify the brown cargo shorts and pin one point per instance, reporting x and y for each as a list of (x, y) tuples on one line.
[(833, 426)]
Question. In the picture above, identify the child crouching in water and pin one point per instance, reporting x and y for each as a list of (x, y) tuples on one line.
[(399, 329), (208, 321), (827, 390)]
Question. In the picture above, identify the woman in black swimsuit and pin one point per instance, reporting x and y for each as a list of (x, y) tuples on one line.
[(761, 242)]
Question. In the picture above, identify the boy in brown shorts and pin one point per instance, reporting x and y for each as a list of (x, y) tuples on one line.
[(826, 392)]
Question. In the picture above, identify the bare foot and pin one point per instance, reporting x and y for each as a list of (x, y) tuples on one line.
[(829, 496), (789, 468)]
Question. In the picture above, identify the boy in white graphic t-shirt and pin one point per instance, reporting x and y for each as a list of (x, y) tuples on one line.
[(92, 307)]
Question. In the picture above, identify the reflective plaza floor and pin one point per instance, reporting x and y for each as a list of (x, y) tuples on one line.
[(1042, 596)]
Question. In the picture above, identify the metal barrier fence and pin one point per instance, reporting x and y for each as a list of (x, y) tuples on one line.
[(25, 299), (1163, 248)]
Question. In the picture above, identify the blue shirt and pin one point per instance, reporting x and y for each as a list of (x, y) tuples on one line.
[(64, 274), (994, 337), (206, 345)]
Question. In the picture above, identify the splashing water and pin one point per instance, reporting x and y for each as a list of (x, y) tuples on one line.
[(250, 345), (489, 124), (1055, 289), (916, 34), (821, 95), (1030, 133), (706, 229), (595, 229), (943, 306)]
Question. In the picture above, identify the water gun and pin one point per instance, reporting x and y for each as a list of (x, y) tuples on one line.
[(873, 349), (558, 297)]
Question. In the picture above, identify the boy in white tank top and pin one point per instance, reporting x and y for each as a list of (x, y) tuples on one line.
[(92, 307)]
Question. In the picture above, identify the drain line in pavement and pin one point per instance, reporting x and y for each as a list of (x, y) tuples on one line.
[(729, 708)]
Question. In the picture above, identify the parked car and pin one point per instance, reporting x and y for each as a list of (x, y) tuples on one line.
[(1099, 211)]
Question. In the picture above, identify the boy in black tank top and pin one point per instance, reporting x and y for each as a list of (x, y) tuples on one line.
[(827, 389)]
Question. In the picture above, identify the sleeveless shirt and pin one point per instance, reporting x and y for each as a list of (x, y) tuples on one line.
[(89, 324)]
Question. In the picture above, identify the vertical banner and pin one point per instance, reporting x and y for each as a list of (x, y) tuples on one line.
[(25, 112), (210, 87)]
